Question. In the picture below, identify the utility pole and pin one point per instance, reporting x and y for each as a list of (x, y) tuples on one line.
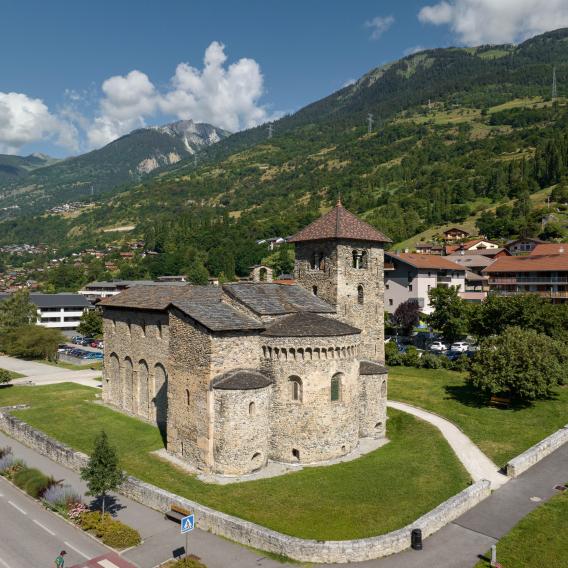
[(554, 85), (270, 130), (369, 123)]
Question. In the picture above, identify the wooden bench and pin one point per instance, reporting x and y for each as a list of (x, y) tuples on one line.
[(177, 513), (500, 401)]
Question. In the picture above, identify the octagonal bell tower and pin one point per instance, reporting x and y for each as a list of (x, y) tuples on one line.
[(340, 258)]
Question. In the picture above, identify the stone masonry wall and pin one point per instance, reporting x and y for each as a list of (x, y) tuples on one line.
[(372, 405), (335, 280), (313, 428), (251, 534), (188, 393), (136, 362), (242, 430)]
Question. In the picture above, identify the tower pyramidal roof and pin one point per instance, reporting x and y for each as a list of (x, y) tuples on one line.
[(339, 224)]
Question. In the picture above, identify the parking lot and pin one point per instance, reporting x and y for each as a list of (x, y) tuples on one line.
[(81, 350)]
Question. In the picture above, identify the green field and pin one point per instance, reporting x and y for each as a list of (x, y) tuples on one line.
[(374, 494), (501, 433), (540, 540)]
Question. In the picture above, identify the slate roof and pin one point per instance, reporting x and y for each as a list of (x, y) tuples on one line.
[(372, 368), (308, 324), (241, 379), (160, 296), (276, 299), (471, 260), (56, 300), (339, 224), (217, 316)]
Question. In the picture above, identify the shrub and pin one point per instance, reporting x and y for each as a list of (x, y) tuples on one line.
[(392, 357), (12, 467), (33, 481), (520, 363), (6, 462), (75, 511), (5, 451), (112, 532), (190, 561), (60, 496), (411, 358), (430, 361), (460, 364)]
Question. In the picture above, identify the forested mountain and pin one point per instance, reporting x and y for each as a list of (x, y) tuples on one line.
[(458, 133), (124, 160)]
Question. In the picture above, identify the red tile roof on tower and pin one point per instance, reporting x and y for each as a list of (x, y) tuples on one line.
[(339, 224)]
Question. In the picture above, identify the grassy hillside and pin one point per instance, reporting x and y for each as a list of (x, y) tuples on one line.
[(458, 134)]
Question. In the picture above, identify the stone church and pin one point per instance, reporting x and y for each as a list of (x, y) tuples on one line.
[(243, 373)]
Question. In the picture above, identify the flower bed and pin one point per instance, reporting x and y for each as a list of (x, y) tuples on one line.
[(63, 499)]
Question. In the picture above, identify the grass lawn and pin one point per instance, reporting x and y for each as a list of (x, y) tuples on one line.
[(374, 494), (94, 366), (540, 540), (501, 433), (13, 374)]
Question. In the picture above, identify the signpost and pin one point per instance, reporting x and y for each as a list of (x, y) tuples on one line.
[(187, 525)]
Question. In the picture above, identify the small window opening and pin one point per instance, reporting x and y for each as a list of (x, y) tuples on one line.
[(336, 387), (343, 449), (252, 409), (187, 397), (315, 290), (360, 295), (296, 454), (378, 425)]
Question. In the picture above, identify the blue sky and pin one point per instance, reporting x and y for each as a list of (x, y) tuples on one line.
[(57, 56)]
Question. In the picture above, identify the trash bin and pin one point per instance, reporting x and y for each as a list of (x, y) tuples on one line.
[(416, 539)]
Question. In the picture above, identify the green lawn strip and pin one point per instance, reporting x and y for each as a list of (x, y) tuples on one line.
[(540, 540), (377, 493), (501, 433), (13, 374), (94, 365)]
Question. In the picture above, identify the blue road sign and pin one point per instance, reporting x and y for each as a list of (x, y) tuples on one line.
[(187, 524)]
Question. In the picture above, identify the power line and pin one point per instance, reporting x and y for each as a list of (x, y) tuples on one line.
[(270, 130), (554, 85), (370, 123)]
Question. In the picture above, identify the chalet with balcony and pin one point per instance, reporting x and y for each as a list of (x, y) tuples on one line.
[(545, 275)]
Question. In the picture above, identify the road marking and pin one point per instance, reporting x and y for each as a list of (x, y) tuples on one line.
[(43, 527), (76, 550), (4, 563), (18, 508), (106, 563)]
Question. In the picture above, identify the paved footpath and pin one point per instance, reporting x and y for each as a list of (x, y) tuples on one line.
[(43, 374), (474, 460)]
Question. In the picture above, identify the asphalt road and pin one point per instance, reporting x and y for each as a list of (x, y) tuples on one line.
[(33, 537)]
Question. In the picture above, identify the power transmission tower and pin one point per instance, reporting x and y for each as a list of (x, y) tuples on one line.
[(270, 131), (554, 85), (369, 123), (194, 160)]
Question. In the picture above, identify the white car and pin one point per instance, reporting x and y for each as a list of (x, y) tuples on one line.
[(438, 346), (460, 346)]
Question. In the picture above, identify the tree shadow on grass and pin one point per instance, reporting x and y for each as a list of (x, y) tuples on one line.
[(112, 505), (468, 395)]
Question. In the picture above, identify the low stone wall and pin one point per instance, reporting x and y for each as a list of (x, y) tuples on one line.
[(248, 533), (539, 451)]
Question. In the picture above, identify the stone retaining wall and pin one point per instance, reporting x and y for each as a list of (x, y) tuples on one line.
[(539, 451), (248, 533)]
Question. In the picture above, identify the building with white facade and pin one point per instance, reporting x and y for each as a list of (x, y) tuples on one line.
[(60, 311), (412, 276)]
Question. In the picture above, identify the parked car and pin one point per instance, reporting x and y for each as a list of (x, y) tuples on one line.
[(86, 341), (438, 346), (62, 348), (76, 339), (460, 346)]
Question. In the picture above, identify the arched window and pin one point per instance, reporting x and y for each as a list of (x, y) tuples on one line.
[(252, 409), (384, 389), (315, 290), (335, 394), (360, 295), (295, 386), (187, 397)]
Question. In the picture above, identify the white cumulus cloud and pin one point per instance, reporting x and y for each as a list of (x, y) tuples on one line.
[(496, 21), (223, 95), (379, 25), (25, 120)]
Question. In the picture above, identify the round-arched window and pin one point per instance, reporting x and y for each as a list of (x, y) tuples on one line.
[(252, 409), (295, 386)]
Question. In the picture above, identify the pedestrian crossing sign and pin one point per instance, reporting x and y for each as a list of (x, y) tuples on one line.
[(187, 524)]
